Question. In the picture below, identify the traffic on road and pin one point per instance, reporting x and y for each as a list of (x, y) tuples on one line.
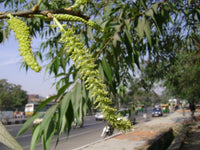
[(90, 132)]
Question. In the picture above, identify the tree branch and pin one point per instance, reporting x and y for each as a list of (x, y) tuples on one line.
[(30, 13)]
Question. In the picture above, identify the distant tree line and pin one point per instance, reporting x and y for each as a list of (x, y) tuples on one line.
[(11, 95)]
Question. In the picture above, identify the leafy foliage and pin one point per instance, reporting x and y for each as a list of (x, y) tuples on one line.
[(7, 139), (183, 76), (12, 95)]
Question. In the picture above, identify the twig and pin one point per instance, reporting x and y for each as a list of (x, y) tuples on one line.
[(32, 12)]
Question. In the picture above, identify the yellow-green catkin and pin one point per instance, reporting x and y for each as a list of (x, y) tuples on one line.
[(22, 34), (67, 17), (84, 61)]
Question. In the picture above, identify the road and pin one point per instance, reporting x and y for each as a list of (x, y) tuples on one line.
[(78, 137)]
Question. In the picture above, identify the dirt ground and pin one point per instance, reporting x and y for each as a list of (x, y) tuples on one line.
[(192, 140)]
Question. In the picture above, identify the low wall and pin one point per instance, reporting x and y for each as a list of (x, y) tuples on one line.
[(168, 139), (161, 142)]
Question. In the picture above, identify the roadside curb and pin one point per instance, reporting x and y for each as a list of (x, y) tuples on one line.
[(98, 141)]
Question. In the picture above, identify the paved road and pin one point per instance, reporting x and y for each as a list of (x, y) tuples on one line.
[(90, 133)]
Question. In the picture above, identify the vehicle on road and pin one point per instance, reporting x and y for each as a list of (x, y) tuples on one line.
[(77, 124), (140, 108), (99, 116), (165, 108), (107, 130), (157, 112), (127, 114), (31, 108), (38, 120)]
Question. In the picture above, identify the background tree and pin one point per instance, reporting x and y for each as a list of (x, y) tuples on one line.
[(182, 78), (11, 95), (138, 93)]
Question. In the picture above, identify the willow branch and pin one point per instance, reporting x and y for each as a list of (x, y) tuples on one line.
[(31, 13)]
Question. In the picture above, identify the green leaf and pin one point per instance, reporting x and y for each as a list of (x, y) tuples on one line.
[(48, 135), (64, 88), (143, 4), (62, 110), (116, 38), (128, 43), (140, 27), (35, 136), (107, 70), (69, 116), (27, 124), (155, 8), (150, 13), (44, 103), (147, 31), (48, 116), (189, 2), (7, 139), (46, 128), (76, 98), (136, 58)]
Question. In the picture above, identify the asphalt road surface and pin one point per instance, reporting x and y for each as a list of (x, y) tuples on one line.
[(78, 137)]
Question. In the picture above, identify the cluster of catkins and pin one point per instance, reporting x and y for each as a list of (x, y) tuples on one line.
[(84, 62), (22, 34)]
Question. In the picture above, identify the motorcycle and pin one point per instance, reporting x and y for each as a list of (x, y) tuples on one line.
[(107, 130)]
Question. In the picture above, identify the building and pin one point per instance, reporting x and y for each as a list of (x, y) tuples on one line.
[(34, 98)]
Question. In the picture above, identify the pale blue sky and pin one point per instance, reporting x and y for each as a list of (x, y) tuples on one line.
[(33, 83)]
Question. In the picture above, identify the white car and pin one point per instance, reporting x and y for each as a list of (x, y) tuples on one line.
[(99, 116), (38, 120)]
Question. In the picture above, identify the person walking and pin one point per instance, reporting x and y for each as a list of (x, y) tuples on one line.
[(192, 109)]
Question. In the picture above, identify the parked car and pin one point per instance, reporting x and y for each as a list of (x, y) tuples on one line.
[(99, 116), (157, 112)]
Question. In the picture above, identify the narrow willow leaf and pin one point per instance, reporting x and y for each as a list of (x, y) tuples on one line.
[(76, 98), (69, 116), (107, 70), (140, 27), (63, 108), (129, 47), (45, 102), (147, 31), (189, 2), (7, 139), (48, 135), (27, 124), (150, 13), (116, 38), (136, 58), (64, 88), (44, 127), (143, 4), (48, 116), (155, 8), (35, 136)]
